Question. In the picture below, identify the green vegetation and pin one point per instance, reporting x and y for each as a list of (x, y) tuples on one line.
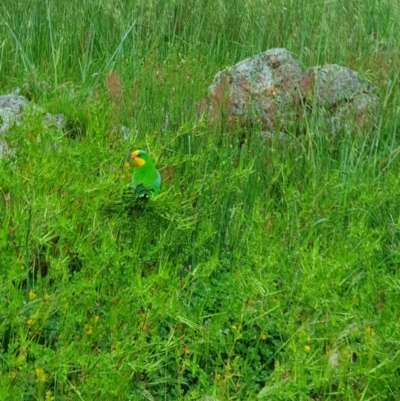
[(261, 269)]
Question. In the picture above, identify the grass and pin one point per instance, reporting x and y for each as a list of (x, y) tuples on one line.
[(263, 270)]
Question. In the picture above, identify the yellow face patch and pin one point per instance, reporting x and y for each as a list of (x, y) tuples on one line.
[(135, 156)]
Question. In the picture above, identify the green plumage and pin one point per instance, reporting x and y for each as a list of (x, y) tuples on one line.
[(146, 180)]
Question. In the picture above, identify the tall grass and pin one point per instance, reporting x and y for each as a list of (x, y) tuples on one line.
[(263, 269)]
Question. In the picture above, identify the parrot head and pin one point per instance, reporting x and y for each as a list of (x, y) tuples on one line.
[(141, 158)]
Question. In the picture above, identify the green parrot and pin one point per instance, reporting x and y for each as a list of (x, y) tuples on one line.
[(146, 180)]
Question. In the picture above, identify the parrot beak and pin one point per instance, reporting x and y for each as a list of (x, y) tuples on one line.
[(134, 154)]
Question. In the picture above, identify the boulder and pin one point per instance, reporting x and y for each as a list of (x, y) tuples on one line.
[(262, 88), (270, 89), (338, 97), (13, 110)]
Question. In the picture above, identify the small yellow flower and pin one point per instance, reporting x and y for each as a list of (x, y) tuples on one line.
[(41, 376), (263, 336), (32, 320), (217, 376), (370, 338), (307, 348), (369, 331), (87, 329), (49, 396), (237, 334), (46, 297), (31, 295)]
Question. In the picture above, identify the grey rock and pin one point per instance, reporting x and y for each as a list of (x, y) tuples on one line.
[(56, 121), (339, 98), (270, 88), (10, 110), (13, 111), (261, 88), (13, 108), (330, 84)]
